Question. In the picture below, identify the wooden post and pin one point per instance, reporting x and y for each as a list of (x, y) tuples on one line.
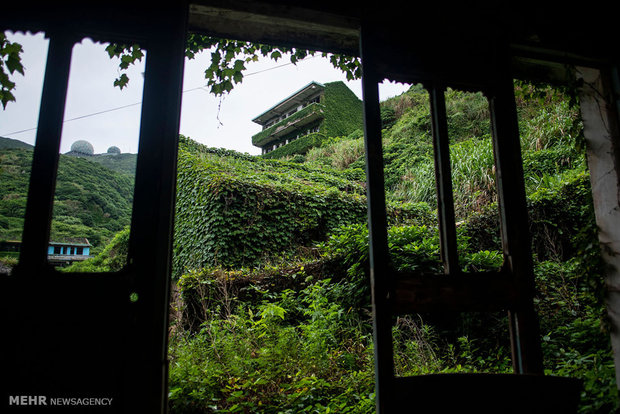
[(443, 179), (516, 242)]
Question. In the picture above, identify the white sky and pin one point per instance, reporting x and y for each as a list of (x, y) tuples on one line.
[(91, 91)]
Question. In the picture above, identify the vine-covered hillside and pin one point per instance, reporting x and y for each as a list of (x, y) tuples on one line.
[(270, 308), (236, 210), (293, 334)]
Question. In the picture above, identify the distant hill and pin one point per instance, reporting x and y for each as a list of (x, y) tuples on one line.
[(122, 163), (91, 200), (13, 143)]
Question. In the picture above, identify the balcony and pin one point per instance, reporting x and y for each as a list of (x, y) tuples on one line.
[(298, 120)]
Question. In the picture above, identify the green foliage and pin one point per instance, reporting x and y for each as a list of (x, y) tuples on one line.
[(229, 59), (10, 62), (299, 351), (267, 318), (121, 163), (339, 153), (343, 110), (263, 136), (90, 200), (388, 117), (298, 146), (6, 143), (112, 259), (238, 211)]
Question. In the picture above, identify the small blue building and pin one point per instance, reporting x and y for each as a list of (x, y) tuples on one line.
[(68, 251)]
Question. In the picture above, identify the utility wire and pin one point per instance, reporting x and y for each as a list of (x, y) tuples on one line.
[(139, 103)]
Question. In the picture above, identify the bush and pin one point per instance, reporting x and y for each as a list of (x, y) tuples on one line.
[(262, 359)]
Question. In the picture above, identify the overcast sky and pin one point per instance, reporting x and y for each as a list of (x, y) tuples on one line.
[(104, 115)]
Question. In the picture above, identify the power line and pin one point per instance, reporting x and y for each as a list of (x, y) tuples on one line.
[(139, 103)]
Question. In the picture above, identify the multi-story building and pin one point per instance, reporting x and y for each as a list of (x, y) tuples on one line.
[(309, 115)]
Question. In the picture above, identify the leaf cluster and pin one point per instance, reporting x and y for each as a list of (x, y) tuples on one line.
[(229, 59), (10, 62)]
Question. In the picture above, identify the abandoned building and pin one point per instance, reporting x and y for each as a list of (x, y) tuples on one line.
[(114, 326), (330, 110), (62, 253)]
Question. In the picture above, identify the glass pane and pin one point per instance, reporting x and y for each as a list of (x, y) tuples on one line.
[(18, 120)]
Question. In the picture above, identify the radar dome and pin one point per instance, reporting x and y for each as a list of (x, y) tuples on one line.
[(83, 147), (114, 150)]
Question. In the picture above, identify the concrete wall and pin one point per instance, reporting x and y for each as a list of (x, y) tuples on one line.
[(600, 118)]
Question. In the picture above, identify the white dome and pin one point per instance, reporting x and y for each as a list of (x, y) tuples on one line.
[(83, 147)]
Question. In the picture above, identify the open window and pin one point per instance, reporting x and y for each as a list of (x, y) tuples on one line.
[(97, 162)]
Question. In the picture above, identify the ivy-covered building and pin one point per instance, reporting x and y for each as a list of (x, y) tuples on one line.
[(306, 117)]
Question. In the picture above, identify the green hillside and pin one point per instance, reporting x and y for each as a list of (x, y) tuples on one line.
[(6, 143), (236, 210), (91, 200), (122, 163)]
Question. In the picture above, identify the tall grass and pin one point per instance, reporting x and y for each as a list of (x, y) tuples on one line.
[(473, 177)]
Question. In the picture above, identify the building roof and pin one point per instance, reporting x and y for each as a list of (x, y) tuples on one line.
[(293, 100), (79, 241)]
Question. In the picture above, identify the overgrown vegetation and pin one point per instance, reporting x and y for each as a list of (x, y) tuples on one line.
[(271, 309), (91, 200), (293, 334)]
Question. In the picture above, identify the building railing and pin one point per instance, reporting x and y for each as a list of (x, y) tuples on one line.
[(268, 135)]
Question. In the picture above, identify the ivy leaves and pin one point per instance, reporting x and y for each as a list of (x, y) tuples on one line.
[(128, 55), (234, 211), (10, 62), (229, 59)]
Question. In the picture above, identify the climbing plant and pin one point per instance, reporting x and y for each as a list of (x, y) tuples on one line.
[(229, 59), (10, 62), (226, 68), (237, 211)]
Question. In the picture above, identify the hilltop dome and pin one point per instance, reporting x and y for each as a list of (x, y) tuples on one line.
[(83, 147), (114, 150)]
